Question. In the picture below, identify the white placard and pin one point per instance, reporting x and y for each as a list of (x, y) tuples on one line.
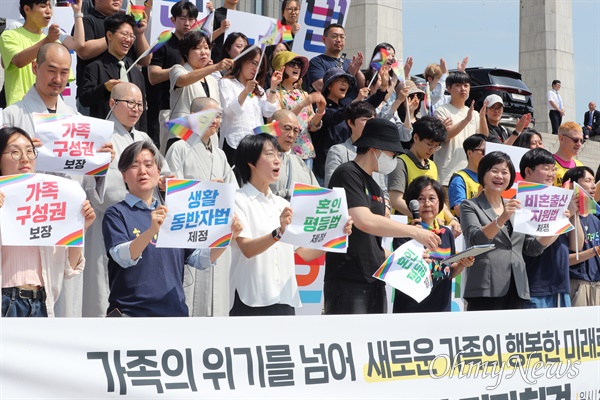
[(200, 214), (71, 143), (406, 270), (318, 220), (251, 25), (542, 209), (41, 210)]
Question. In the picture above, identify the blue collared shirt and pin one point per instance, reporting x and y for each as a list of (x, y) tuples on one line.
[(199, 259)]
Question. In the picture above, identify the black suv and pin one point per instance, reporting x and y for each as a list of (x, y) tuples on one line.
[(507, 84)]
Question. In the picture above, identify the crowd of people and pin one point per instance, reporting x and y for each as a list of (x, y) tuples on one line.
[(369, 132)]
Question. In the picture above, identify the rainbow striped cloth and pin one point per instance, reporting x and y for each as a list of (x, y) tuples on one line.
[(137, 12), (272, 129), (205, 25)]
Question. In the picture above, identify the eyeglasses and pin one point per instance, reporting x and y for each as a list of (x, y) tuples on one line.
[(292, 10), (126, 34), (131, 104), (17, 154), (336, 37), (575, 140), (480, 150), (432, 146), (549, 169), (273, 154)]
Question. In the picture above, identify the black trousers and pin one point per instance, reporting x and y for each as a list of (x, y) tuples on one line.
[(240, 309), (349, 297), (555, 120)]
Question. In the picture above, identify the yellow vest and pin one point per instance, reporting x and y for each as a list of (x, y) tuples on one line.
[(413, 172), (558, 179), (471, 186)]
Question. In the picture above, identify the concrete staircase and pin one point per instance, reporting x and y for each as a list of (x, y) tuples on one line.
[(589, 154)]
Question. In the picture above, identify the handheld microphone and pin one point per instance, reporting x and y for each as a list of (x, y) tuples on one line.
[(413, 206)]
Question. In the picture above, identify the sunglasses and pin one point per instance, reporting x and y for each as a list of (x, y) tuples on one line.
[(575, 140)]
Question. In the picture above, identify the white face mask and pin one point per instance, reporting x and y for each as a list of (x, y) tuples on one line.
[(385, 163)]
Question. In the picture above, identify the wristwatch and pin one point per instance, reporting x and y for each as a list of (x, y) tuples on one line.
[(276, 234)]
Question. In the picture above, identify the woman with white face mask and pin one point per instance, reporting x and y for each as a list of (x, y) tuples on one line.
[(349, 284)]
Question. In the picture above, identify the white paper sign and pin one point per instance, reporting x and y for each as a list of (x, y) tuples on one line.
[(319, 218), (41, 210), (542, 209), (200, 214), (251, 25), (406, 271), (71, 143), (314, 16)]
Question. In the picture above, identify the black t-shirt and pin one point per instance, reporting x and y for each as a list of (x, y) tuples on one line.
[(439, 298), (365, 253), (165, 57), (497, 134), (220, 16)]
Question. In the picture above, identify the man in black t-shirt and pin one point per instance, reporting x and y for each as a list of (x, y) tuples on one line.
[(183, 15), (220, 24), (492, 110), (350, 287)]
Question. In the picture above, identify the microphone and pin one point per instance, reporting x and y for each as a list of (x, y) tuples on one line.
[(413, 206)]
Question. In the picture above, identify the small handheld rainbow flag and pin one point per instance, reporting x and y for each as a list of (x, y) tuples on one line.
[(205, 25), (180, 127), (160, 41), (137, 12), (440, 253), (277, 33), (398, 68), (587, 204), (380, 58), (271, 129), (199, 122)]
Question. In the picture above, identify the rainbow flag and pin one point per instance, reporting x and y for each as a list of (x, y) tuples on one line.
[(137, 12), (199, 122), (398, 68), (160, 41), (271, 129), (205, 25), (380, 58), (180, 127), (277, 33), (587, 204)]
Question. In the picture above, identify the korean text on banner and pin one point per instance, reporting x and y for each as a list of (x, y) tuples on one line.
[(406, 270), (542, 209), (41, 210), (199, 216), (319, 217), (71, 143), (315, 15)]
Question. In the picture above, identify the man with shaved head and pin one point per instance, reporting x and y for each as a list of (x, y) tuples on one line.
[(127, 106), (51, 70), (207, 292), (293, 169)]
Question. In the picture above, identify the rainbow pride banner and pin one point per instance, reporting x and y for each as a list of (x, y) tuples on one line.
[(199, 214), (542, 209), (41, 210), (406, 271), (587, 204), (318, 220), (71, 144)]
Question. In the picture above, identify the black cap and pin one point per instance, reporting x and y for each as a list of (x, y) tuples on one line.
[(380, 134)]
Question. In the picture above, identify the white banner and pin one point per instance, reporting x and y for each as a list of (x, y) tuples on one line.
[(522, 354), (251, 25), (71, 143), (200, 214), (314, 16), (319, 217), (406, 271), (542, 209), (41, 210)]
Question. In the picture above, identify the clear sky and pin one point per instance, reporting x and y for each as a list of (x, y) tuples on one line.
[(488, 32)]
